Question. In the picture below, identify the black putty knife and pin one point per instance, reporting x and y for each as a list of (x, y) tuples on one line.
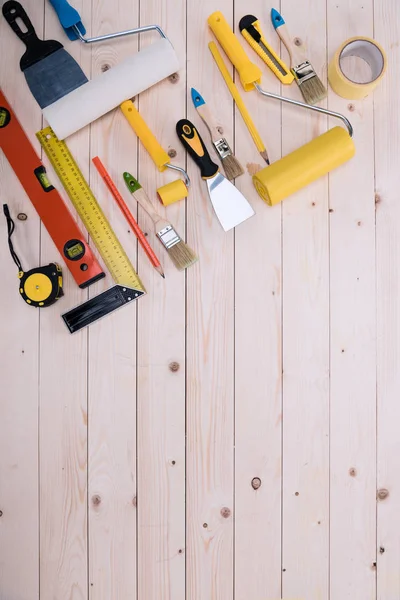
[(230, 206), (49, 70)]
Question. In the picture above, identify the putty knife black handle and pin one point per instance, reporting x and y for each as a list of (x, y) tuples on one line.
[(36, 49), (191, 140)]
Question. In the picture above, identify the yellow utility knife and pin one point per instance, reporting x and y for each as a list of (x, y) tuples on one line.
[(251, 31)]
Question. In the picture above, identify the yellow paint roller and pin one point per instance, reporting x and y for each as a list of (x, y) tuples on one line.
[(303, 166), (173, 191), (107, 91)]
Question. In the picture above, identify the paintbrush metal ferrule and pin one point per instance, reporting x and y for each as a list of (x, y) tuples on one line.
[(168, 237), (223, 148), (303, 72)]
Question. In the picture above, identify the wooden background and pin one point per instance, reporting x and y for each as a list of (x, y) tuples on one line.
[(124, 478)]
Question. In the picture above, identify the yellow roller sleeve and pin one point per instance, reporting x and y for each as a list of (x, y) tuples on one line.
[(145, 135), (249, 73), (303, 166)]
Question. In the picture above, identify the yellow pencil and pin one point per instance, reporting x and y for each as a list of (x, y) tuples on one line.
[(239, 102)]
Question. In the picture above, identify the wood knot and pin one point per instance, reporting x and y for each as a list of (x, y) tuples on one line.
[(174, 78), (172, 463), (373, 566), (174, 367), (225, 512), (296, 494), (359, 223), (297, 41), (220, 130), (383, 493), (378, 199), (256, 483), (1, 513), (22, 216), (331, 210), (352, 472), (205, 525), (180, 551), (105, 67), (381, 550), (351, 107), (134, 501), (172, 153), (96, 500)]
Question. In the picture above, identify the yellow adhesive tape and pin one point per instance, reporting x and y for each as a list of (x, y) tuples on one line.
[(172, 192), (303, 166), (357, 86)]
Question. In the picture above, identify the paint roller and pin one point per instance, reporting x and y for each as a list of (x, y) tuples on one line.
[(173, 191), (306, 164), (105, 92)]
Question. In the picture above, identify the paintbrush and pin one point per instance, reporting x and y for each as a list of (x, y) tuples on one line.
[(231, 165), (178, 251), (309, 83)]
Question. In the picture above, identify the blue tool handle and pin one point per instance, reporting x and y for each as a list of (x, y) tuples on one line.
[(68, 17), (276, 18)]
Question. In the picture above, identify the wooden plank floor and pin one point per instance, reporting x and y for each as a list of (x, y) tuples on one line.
[(234, 434)]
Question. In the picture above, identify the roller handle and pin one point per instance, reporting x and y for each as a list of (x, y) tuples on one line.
[(249, 73), (36, 49), (191, 140), (296, 57), (145, 135)]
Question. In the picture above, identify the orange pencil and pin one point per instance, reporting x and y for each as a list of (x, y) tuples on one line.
[(128, 215)]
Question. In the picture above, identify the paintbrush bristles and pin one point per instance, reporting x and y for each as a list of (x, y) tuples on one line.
[(181, 255), (232, 167), (312, 89)]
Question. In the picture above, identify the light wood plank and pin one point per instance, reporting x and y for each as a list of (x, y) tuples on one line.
[(258, 344), (19, 351), (112, 353), (353, 347), (161, 342), (305, 341), (387, 142), (210, 352), (63, 403)]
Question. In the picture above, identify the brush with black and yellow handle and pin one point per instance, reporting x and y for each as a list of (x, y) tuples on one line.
[(251, 31)]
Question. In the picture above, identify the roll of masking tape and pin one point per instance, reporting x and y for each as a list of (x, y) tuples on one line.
[(172, 192), (303, 166), (356, 87)]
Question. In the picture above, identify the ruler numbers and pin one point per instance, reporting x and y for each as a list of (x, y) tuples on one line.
[(89, 210)]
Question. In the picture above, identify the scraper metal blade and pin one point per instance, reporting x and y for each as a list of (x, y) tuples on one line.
[(230, 206), (51, 73)]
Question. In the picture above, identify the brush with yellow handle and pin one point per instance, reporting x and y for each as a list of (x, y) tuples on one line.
[(179, 252)]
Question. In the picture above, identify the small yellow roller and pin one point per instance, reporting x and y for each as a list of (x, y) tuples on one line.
[(172, 192), (303, 166)]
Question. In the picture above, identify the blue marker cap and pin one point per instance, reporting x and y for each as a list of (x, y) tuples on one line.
[(197, 98), (277, 19)]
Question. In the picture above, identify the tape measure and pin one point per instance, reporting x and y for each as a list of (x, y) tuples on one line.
[(39, 287), (89, 210)]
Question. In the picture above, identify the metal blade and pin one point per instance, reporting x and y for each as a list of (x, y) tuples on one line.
[(54, 77), (230, 206)]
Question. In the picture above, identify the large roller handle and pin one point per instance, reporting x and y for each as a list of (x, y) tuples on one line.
[(145, 135), (249, 73)]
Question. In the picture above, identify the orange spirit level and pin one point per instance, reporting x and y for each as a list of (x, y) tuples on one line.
[(48, 203)]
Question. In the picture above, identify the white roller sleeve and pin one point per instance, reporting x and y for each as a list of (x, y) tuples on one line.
[(108, 90)]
